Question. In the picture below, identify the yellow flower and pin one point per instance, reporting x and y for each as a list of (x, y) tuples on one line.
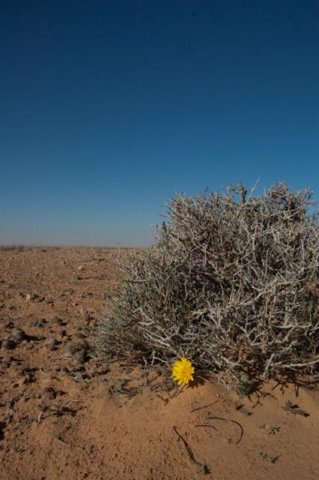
[(182, 371)]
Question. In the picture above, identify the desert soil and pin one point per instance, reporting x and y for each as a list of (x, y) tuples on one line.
[(65, 413)]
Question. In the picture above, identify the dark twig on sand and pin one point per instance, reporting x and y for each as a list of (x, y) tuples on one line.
[(232, 421), (203, 468)]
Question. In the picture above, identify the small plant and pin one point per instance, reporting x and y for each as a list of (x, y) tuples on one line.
[(270, 429), (182, 371), (232, 284)]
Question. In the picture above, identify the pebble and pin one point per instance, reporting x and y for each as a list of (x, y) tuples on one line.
[(39, 323), (61, 368), (58, 321), (28, 377), (78, 350), (33, 297), (18, 335), (80, 356), (48, 393), (80, 335), (30, 296), (75, 347), (79, 376), (52, 344), (9, 344), (9, 324)]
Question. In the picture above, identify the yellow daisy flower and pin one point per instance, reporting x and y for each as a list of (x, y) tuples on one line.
[(182, 371)]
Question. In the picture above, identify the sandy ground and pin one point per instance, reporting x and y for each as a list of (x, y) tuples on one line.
[(66, 414)]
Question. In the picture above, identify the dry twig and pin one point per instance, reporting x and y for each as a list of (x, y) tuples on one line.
[(203, 468)]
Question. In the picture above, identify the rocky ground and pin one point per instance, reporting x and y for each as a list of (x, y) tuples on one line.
[(67, 414)]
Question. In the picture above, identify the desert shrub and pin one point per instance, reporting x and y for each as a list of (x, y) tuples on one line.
[(232, 283), (12, 248)]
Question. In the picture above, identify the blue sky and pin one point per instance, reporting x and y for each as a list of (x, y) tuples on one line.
[(108, 108)]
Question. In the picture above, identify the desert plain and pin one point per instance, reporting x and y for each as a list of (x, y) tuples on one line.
[(67, 413)]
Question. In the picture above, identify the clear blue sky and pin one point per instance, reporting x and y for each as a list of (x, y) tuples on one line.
[(108, 108)]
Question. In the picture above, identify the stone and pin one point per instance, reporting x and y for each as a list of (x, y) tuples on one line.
[(58, 321), (48, 393), (78, 350), (80, 335), (9, 344), (28, 376), (52, 344), (9, 324), (30, 296), (39, 323), (18, 335)]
